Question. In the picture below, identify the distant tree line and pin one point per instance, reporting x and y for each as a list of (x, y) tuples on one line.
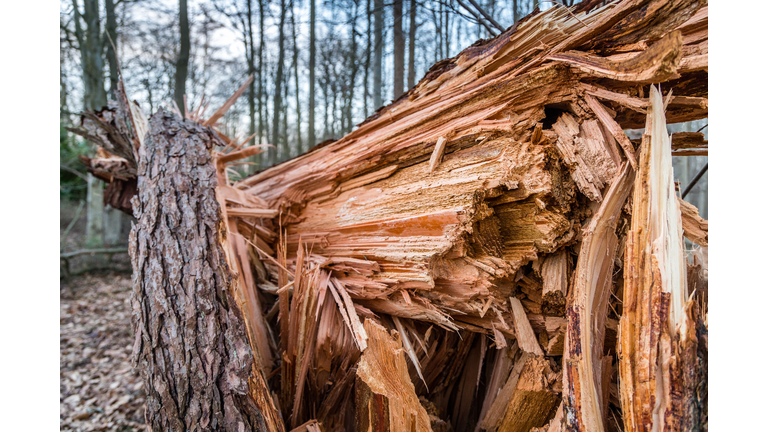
[(320, 67)]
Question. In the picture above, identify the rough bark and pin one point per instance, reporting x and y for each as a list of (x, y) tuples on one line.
[(191, 345)]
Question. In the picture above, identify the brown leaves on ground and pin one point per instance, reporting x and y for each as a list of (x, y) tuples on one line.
[(99, 390)]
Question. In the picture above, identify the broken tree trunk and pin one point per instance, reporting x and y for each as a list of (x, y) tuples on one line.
[(458, 261), (661, 363), (191, 345)]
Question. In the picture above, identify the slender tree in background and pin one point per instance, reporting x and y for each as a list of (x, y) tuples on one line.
[(352, 67), (113, 218), (279, 85), (94, 98), (367, 67), (399, 49), (251, 57), (263, 132), (447, 31), (378, 47), (111, 43), (311, 120), (515, 11), (299, 145), (412, 46), (182, 63)]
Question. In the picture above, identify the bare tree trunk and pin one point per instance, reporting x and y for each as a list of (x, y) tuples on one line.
[(436, 19), (447, 30), (94, 226), (111, 43), (515, 11), (262, 125), (251, 57), (353, 66), (299, 145), (378, 43), (412, 46), (182, 63), (311, 141), (399, 51), (113, 218), (278, 83), (94, 97), (366, 93), (191, 348)]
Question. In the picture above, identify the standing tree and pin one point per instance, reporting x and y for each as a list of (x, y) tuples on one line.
[(311, 122), (367, 67), (399, 51), (412, 46), (378, 44), (94, 98), (299, 145), (279, 85), (182, 62), (251, 56)]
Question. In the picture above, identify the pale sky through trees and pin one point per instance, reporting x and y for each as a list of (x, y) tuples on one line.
[(148, 44)]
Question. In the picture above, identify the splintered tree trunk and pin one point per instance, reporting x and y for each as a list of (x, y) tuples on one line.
[(457, 262), (191, 343)]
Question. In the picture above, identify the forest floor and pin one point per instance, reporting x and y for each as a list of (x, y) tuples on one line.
[(99, 390)]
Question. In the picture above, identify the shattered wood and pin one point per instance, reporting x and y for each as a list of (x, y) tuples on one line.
[(458, 262)]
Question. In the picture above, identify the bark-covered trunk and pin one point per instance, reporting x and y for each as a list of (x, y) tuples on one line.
[(251, 57), (412, 46), (299, 144), (263, 132), (191, 344), (399, 49), (111, 43), (378, 49), (278, 96), (182, 63), (367, 66), (311, 116)]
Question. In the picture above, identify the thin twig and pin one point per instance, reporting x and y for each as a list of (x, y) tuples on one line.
[(695, 180)]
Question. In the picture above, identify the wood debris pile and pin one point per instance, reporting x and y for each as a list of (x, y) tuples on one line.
[(489, 252)]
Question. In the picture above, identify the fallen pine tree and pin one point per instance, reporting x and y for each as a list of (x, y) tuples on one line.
[(488, 252)]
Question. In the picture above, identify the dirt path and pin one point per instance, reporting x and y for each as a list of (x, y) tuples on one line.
[(99, 390)]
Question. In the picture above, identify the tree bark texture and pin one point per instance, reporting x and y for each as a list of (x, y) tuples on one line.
[(191, 346)]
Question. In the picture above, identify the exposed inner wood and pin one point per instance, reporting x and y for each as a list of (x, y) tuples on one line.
[(460, 261)]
